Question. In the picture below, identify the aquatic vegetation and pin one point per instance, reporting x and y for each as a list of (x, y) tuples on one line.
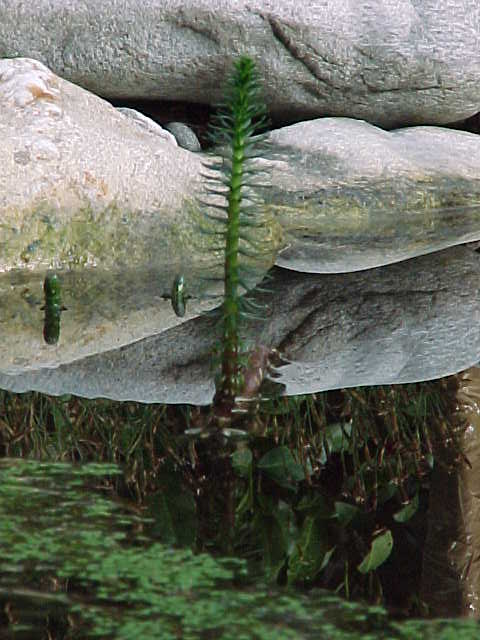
[(315, 500), (53, 308), (234, 219), (88, 568), (178, 296)]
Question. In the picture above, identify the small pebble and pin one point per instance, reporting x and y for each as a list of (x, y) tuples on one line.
[(184, 136)]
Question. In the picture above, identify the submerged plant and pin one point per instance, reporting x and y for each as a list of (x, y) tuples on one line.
[(178, 296), (236, 221), (53, 308)]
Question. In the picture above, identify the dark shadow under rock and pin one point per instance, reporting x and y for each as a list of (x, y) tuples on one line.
[(196, 116)]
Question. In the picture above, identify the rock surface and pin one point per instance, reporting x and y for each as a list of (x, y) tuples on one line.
[(148, 124), (450, 583), (118, 226), (71, 158), (351, 196), (391, 63), (348, 195), (411, 321), (108, 203)]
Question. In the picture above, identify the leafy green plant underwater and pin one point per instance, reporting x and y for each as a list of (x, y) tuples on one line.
[(74, 545)]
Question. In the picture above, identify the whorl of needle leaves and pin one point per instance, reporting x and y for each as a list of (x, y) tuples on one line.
[(233, 214)]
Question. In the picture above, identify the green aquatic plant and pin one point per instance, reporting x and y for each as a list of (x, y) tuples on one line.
[(235, 220), (53, 308), (178, 296)]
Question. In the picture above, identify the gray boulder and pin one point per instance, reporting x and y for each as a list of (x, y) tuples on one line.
[(108, 202), (391, 63), (351, 196), (148, 124)]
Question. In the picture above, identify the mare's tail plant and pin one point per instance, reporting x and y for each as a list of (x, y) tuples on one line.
[(237, 139)]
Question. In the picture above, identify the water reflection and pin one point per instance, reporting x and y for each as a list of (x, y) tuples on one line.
[(105, 310)]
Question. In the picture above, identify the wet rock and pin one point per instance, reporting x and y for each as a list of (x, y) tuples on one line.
[(195, 116), (408, 322), (451, 577), (351, 196), (72, 161), (108, 204), (393, 63)]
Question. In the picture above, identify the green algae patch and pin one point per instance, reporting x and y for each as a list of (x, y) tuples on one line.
[(398, 209), (112, 238)]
